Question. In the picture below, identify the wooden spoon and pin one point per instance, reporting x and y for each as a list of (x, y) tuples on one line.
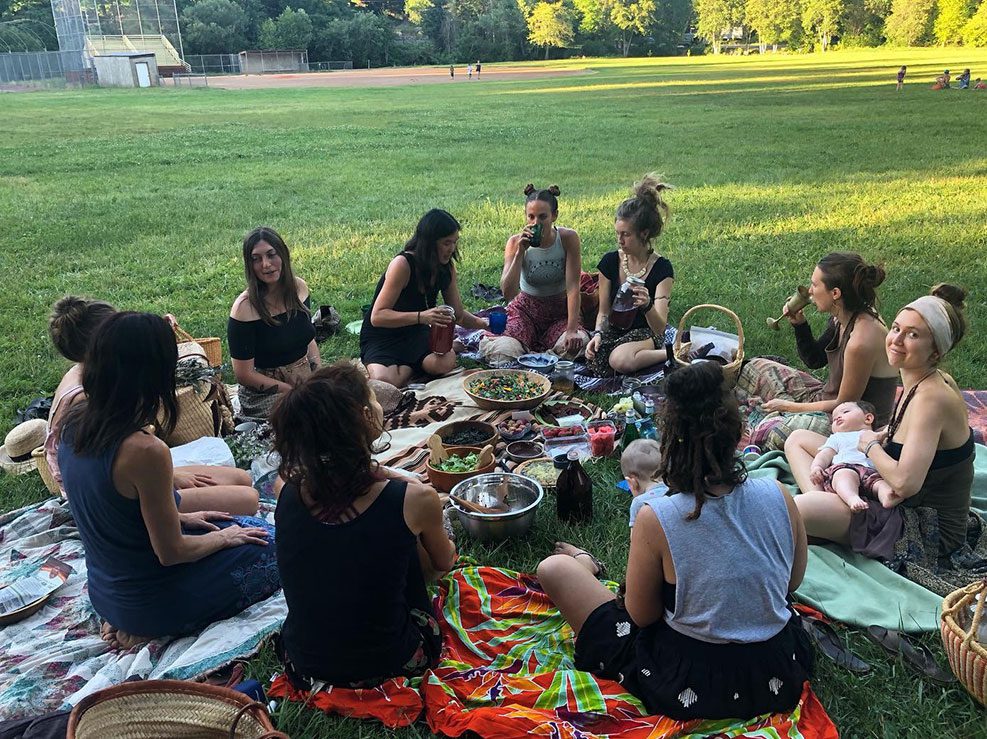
[(486, 457), (474, 507), (438, 452)]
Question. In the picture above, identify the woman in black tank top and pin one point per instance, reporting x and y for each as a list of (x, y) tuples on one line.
[(355, 549)]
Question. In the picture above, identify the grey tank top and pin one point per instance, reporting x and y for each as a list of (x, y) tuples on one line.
[(732, 564), (543, 269)]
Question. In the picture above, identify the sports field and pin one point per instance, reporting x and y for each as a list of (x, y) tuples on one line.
[(142, 197)]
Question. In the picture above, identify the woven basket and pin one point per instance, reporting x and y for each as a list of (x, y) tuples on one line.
[(731, 371), (45, 471), (211, 345), (196, 416), (967, 656), (172, 709)]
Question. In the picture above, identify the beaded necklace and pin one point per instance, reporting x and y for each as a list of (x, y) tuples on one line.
[(642, 271)]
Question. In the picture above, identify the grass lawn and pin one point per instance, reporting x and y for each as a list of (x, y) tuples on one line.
[(142, 198)]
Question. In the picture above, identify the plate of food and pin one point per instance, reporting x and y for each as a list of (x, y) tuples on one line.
[(552, 411), (506, 389), (541, 470)]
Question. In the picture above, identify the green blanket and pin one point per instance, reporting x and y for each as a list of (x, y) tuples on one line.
[(859, 591)]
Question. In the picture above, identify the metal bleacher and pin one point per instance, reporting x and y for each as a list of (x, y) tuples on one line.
[(167, 57)]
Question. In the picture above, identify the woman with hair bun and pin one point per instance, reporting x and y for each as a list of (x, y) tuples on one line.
[(541, 281), (270, 332), (640, 219), (704, 630), (926, 452), (394, 338), (791, 408)]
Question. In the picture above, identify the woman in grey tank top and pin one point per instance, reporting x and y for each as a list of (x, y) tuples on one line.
[(705, 630)]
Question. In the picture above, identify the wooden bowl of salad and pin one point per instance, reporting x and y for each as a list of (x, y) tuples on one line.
[(502, 390), (462, 464)]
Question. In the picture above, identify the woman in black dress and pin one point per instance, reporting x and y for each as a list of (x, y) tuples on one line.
[(394, 340)]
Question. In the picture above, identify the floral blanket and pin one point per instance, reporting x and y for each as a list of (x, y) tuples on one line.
[(507, 670), (54, 658)]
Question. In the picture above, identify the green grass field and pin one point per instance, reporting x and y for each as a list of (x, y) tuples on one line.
[(142, 198)]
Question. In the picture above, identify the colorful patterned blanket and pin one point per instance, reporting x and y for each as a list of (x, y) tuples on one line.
[(54, 658), (507, 671)]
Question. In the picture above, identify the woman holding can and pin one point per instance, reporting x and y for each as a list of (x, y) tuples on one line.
[(405, 329)]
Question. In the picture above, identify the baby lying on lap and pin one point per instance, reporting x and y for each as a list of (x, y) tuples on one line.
[(841, 468)]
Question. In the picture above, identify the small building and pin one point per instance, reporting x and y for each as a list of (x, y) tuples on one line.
[(127, 69), (281, 60)]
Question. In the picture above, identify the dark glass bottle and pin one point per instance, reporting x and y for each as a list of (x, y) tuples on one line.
[(574, 492), (631, 430)]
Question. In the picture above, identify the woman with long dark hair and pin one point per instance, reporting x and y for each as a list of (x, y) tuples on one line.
[(394, 339), (790, 407), (152, 571), (354, 547), (704, 630), (270, 333)]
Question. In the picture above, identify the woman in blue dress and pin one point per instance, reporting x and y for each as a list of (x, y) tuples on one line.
[(152, 571)]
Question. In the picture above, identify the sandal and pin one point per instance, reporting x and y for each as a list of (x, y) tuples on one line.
[(915, 654), (828, 643)]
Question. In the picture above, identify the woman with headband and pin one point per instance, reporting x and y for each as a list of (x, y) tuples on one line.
[(926, 453)]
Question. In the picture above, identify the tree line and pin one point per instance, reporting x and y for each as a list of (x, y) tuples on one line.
[(405, 32)]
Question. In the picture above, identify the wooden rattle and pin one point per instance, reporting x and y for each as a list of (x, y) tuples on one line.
[(796, 302)]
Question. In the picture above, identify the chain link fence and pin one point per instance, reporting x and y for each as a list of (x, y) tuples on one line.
[(43, 67), (260, 62)]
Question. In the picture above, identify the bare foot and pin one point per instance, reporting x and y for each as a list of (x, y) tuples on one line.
[(587, 560), (120, 640), (856, 504), (889, 498)]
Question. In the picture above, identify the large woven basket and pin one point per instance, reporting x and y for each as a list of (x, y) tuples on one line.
[(169, 709), (45, 471), (196, 416), (731, 371), (967, 656), (211, 345)]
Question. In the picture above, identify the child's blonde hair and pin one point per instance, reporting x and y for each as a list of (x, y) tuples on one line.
[(641, 459)]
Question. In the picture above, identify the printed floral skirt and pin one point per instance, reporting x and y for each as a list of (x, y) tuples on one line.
[(762, 380)]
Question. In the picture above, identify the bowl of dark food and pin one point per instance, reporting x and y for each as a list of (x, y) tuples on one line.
[(500, 390), (497, 506), (463, 462), (522, 451), (538, 362), (554, 411), (467, 433)]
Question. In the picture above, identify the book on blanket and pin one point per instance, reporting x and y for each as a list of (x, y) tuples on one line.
[(27, 591)]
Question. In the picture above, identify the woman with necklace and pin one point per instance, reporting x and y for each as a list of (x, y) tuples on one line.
[(270, 333), (542, 268), (625, 349), (927, 451), (789, 408)]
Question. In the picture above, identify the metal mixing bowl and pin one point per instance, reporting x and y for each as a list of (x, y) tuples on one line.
[(522, 495)]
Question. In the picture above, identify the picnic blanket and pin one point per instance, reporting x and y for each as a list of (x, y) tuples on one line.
[(506, 670), (859, 591), (53, 659)]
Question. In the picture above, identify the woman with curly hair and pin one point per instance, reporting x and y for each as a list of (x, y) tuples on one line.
[(355, 548), (541, 280), (640, 343), (704, 630)]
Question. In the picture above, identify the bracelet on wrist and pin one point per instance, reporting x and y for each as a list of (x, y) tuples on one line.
[(418, 320), (870, 445)]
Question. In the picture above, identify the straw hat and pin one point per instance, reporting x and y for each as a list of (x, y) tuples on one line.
[(15, 454)]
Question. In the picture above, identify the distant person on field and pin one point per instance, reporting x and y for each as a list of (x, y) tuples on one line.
[(979, 85), (963, 81), (452, 71), (469, 71), (901, 77), (478, 67), (942, 81)]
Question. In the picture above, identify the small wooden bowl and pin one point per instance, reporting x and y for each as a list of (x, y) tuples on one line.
[(506, 405), (21, 613), (522, 469), (451, 428), (446, 481)]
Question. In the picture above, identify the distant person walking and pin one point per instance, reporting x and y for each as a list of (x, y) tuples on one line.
[(452, 71), (469, 71), (478, 69), (901, 77)]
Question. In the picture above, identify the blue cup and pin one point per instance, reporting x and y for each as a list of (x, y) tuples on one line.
[(498, 321)]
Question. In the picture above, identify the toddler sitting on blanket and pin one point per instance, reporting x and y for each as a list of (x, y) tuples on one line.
[(841, 468), (639, 464)]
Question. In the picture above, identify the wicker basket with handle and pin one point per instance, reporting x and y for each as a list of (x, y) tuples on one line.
[(731, 371), (211, 345), (967, 656), (154, 709), (45, 471)]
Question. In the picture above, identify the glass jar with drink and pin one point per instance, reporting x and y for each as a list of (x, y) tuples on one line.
[(440, 337), (564, 377), (623, 311)]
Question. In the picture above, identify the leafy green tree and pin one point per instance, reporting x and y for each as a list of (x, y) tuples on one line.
[(863, 22), (414, 9), (290, 30), (975, 30), (594, 15), (774, 20), (214, 27), (910, 22), (822, 19), (713, 17), (951, 17), (633, 18), (551, 24)]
